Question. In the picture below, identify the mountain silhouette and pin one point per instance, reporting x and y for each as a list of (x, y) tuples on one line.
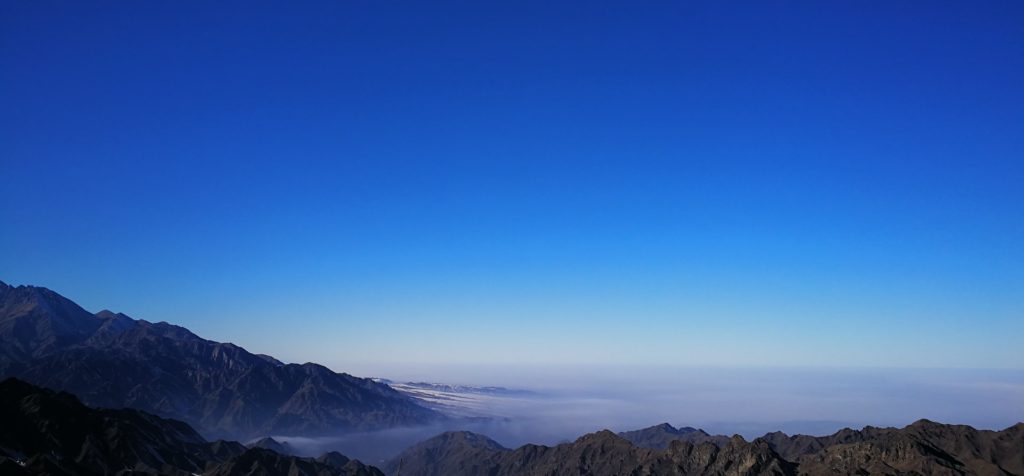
[(923, 448), (599, 454), (659, 437), (264, 462), (111, 360), (48, 432)]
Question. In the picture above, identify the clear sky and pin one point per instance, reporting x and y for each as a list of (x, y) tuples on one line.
[(371, 184)]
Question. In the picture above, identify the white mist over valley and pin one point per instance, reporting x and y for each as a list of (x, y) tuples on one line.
[(547, 405)]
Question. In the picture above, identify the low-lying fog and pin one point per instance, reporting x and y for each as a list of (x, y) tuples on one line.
[(563, 403)]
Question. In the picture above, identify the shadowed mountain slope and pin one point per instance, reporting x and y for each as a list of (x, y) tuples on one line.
[(111, 360), (48, 432), (44, 428), (264, 462)]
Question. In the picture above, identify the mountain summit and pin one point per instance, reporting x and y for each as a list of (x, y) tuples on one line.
[(111, 360), (659, 437)]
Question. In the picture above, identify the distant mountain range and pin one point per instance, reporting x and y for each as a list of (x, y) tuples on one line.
[(48, 432), (45, 432), (111, 360), (923, 448), (661, 436), (145, 377), (459, 401), (405, 387), (599, 454)]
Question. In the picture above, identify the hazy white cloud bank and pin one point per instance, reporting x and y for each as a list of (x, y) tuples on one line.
[(566, 402)]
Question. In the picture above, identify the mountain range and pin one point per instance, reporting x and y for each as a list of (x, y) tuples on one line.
[(110, 360), (135, 396), (49, 432), (53, 433), (659, 437), (923, 448)]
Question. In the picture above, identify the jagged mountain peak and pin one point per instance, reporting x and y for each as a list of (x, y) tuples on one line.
[(108, 314), (269, 443), (737, 439), (662, 435), (23, 299), (466, 438), (665, 427), (604, 435), (333, 458)]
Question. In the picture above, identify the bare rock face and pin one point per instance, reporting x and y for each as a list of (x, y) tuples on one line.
[(112, 360)]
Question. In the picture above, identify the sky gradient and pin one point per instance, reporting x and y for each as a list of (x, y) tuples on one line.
[(378, 184)]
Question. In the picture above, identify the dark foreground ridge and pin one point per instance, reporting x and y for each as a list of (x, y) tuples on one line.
[(260, 461), (111, 360), (923, 448), (47, 432)]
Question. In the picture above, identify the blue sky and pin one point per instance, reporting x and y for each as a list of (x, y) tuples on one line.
[(377, 184)]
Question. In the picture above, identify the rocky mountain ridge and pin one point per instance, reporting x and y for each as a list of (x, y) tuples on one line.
[(923, 448), (48, 432), (111, 360), (659, 437)]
